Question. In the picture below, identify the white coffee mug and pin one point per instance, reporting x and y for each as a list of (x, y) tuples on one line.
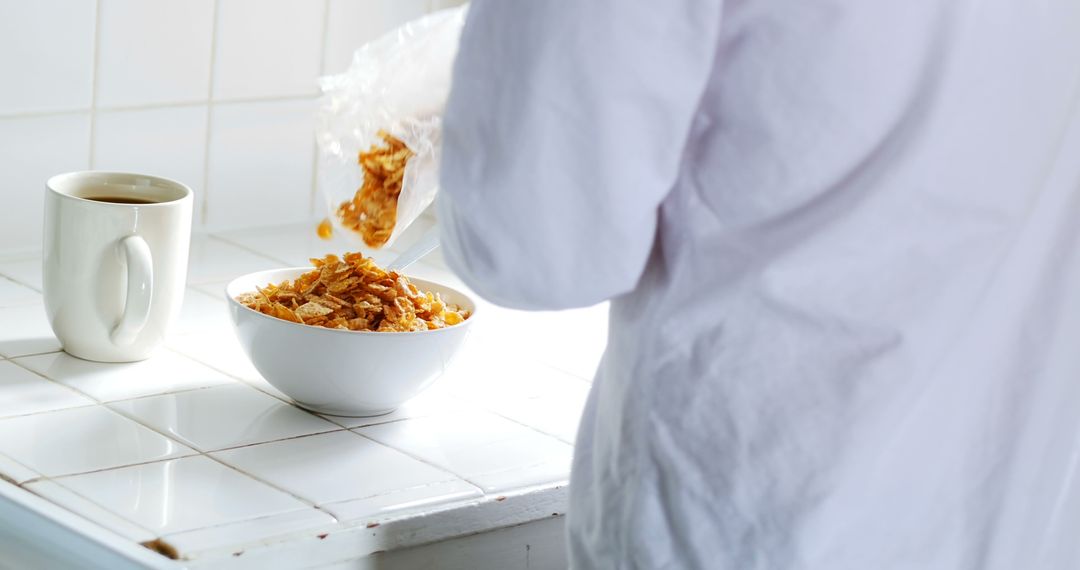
[(115, 261)]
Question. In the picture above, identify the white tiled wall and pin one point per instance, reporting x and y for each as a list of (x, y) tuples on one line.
[(219, 94)]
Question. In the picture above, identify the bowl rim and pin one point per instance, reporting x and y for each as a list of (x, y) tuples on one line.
[(232, 301)]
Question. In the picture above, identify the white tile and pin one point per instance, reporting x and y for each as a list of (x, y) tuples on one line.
[(335, 467), (353, 23), (93, 512), (154, 52), (12, 470), (572, 341), (26, 330), (538, 396), (260, 165), (558, 416), (24, 392), (78, 440), (267, 48), (223, 416), (168, 142), (215, 260), (46, 52), (13, 294), (434, 400), (23, 269), (482, 448), (182, 494), (398, 501), (35, 149), (311, 522), (165, 372), (222, 351), (215, 289), (201, 313)]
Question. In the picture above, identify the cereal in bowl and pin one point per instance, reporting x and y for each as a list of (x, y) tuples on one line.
[(355, 294)]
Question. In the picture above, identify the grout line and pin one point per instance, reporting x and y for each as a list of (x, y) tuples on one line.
[(336, 429), (313, 199), (421, 460), (44, 479), (183, 455), (95, 60), (228, 375), (222, 239), (40, 114), (153, 106), (42, 412), (204, 202), (182, 104), (9, 279), (257, 519)]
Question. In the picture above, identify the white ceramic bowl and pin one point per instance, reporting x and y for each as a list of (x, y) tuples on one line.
[(338, 372)]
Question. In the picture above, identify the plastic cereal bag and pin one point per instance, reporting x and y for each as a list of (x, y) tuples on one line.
[(379, 128)]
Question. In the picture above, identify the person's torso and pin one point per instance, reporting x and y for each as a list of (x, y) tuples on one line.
[(857, 344)]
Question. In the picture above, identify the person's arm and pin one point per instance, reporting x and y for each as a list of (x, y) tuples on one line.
[(563, 132)]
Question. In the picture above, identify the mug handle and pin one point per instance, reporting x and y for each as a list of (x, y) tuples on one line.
[(140, 289)]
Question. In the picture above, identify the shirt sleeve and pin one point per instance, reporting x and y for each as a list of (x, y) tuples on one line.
[(563, 132)]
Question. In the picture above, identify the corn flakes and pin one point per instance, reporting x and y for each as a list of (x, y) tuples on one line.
[(372, 212), (355, 294)]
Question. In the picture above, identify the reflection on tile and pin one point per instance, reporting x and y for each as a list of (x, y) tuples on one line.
[(165, 372), (64, 497), (482, 448), (435, 400), (222, 351), (312, 522), (181, 494), (333, 467), (539, 396), (13, 294), (12, 470), (26, 330), (215, 289), (572, 341), (23, 392), (24, 270), (82, 439), (399, 500), (214, 260), (554, 415), (223, 416), (201, 313)]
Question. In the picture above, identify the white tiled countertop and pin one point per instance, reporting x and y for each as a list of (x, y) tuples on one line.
[(192, 448)]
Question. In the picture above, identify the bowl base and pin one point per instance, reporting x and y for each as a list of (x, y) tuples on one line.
[(337, 412)]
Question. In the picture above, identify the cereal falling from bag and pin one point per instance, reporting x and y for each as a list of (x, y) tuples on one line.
[(372, 212), (355, 294)]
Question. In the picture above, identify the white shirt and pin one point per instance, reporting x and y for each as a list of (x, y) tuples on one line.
[(842, 244)]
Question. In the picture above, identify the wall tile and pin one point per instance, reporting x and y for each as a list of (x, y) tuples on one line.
[(46, 54), (34, 149), (267, 48), (261, 160), (167, 142), (154, 51), (352, 23)]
